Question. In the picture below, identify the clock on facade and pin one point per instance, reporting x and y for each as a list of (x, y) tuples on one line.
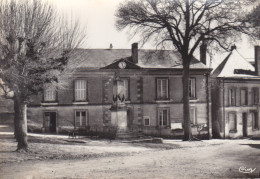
[(122, 65)]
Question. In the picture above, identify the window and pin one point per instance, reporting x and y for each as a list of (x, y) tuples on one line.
[(232, 97), (255, 120), (163, 115), (232, 121), (146, 120), (193, 116), (162, 88), (255, 95), (123, 88), (243, 97), (80, 118), (50, 94), (192, 88), (80, 90)]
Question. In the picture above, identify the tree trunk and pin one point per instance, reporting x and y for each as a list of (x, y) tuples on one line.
[(15, 125), (216, 130), (216, 105), (186, 102), (21, 123)]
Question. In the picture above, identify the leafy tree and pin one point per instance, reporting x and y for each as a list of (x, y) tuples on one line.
[(35, 44), (185, 25)]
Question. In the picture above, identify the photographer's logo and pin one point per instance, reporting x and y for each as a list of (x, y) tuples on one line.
[(246, 170)]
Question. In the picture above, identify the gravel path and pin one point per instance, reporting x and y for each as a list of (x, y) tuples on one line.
[(60, 157)]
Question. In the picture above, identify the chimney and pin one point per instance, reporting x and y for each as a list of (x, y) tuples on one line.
[(257, 60), (233, 47), (203, 53), (135, 53)]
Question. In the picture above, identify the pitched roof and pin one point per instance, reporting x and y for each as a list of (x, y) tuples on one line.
[(233, 63), (99, 58)]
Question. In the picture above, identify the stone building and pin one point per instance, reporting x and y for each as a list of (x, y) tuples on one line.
[(135, 90), (235, 96)]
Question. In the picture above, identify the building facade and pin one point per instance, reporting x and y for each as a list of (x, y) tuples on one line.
[(139, 90), (235, 96)]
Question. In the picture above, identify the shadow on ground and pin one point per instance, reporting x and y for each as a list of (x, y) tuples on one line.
[(257, 146)]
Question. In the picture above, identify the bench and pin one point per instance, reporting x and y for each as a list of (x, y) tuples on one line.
[(78, 132)]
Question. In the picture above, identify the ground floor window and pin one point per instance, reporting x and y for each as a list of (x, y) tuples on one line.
[(146, 121), (193, 119), (232, 121), (255, 120), (163, 116), (80, 118)]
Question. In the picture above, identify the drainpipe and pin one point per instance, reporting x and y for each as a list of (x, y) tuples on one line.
[(224, 115), (207, 96)]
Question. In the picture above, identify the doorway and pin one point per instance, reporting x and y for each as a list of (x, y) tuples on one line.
[(50, 121), (129, 120), (244, 124)]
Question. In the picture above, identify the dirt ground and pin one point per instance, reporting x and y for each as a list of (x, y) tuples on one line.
[(54, 156)]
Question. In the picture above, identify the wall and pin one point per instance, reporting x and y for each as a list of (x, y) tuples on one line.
[(65, 116), (221, 111), (142, 102)]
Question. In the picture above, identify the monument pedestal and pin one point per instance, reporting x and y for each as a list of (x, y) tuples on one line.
[(119, 120)]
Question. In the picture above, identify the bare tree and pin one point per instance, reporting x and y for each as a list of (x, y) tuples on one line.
[(35, 44), (254, 19), (184, 24)]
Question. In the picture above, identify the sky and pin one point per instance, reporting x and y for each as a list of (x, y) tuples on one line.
[(98, 17)]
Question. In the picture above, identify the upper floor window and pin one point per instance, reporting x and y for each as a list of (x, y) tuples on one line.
[(50, 94), (80, 118), (123, 88), (232, 121), (255, 95), (80, 90), (243, 97), (162, 88), (192, 88), (255, 120), (163, 116), (232, 97)]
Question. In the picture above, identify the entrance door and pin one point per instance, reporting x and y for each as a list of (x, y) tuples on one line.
[(53, 122), (129, 120), (50, 122), (244, 124)]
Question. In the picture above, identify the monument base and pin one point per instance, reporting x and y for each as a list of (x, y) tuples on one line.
[(119, 120)]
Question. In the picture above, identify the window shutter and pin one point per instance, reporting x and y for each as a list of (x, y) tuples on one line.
[(158, 89), (165, 117)]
